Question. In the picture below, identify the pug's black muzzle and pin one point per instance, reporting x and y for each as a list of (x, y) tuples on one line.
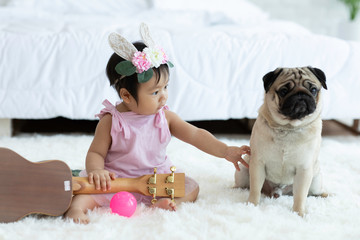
[(298, 106)]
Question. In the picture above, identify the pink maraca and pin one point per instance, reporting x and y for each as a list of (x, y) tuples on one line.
[(123, 203)]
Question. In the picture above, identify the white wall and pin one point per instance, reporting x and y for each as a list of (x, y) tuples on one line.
[(320, 16), (3, 2)]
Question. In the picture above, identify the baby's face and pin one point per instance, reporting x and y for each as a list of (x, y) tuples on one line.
[(152, 96)]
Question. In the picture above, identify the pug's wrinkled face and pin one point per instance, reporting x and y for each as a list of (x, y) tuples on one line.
[(293, 93)]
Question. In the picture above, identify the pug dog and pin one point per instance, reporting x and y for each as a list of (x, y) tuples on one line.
[(286, 137)]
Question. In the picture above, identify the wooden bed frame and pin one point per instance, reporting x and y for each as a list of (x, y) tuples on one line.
[(354, 128)]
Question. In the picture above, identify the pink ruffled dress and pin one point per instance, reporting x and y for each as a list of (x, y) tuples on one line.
[(138, 146)]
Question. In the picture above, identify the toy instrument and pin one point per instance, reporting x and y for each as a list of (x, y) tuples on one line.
[(47, 187)]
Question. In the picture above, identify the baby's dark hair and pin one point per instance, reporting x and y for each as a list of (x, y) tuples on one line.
[(130, 83)]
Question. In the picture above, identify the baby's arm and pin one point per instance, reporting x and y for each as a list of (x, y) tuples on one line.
[(95, 158), (204, 140)]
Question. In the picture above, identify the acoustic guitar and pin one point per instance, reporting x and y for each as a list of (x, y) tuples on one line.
[(47, 187)]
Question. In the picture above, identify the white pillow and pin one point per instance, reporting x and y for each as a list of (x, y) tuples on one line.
[(84, 6), (240, 11)]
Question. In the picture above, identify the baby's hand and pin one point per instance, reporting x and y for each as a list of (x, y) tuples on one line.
[(102, 179), (234, 155)]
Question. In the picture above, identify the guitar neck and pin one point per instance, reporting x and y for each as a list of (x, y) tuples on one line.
[(140, 185), (81, 185)]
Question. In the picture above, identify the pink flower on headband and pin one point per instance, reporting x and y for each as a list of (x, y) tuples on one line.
[(140, 61), (165, 57)]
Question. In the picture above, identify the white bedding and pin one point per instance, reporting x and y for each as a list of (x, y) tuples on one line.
[(52, 60)]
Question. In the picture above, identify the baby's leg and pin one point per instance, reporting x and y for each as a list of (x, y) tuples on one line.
[(165, 203), (191, 193), (78, 208)]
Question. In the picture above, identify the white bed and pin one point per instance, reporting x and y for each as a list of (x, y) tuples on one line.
[(53, 56)]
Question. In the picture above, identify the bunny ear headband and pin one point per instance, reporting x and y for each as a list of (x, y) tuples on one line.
[(136, 61)]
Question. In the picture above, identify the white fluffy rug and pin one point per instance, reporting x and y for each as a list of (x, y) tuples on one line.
[(220, 211)]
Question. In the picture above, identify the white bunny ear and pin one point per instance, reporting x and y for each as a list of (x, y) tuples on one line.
[(145, 35), (121, 46)]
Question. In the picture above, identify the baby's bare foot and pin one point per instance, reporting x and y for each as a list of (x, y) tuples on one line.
[(165, 203), (77, 215)]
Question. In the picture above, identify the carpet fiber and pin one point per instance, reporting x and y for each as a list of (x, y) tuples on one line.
[(220, 212)]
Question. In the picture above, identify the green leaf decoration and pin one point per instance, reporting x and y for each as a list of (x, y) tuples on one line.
[(145, 76), (170, 64), (125, 68)]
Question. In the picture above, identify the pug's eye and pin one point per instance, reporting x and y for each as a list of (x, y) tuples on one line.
[(283, 91), (314, 91)]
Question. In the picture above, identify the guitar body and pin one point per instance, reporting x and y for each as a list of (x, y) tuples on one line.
[(27, 187)]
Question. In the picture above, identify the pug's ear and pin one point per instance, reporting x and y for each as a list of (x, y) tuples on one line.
[(320, 75), (270, 78)]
